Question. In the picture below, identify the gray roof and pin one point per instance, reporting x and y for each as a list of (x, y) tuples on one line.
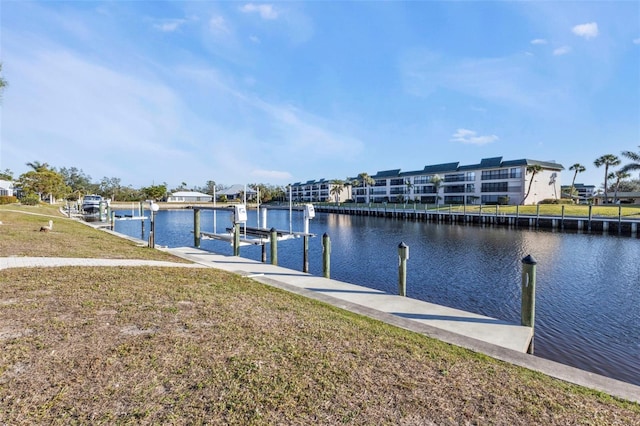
[(236, 189), (190, 194)]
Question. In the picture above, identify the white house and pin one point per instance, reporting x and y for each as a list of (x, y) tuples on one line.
[(6, 188), (235, 192), (189, 197)]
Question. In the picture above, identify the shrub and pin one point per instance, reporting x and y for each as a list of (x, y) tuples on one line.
[(8, 199), (556, 201), (30, 200)]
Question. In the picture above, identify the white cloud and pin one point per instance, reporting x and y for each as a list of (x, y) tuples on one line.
[(561, 51), (266, 11), (636, 41), (218, 25), (539, 41), (169, 25), (508, 80), (587, 31), (471, 137)]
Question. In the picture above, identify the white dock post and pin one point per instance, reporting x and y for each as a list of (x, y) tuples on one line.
[(263, 212)]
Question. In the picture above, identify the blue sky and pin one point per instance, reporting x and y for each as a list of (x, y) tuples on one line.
[(241, 92)]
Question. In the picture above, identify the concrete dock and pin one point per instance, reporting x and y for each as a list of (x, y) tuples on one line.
[(485, 329)]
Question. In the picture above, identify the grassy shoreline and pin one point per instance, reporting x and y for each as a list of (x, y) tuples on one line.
[(166, 345)]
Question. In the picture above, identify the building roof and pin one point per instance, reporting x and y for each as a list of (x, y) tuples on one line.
[(440, 168), (236, 189), (387, 173), (190, 194)]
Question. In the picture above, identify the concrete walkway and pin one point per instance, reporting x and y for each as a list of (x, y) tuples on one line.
[(495, 338)]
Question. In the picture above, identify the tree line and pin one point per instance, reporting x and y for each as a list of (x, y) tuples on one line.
[(619, 178), (44, 182)]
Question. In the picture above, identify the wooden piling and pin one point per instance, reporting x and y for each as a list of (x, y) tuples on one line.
[(528, 307)]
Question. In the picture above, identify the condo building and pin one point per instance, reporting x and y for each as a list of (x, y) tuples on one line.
[(492, 181)]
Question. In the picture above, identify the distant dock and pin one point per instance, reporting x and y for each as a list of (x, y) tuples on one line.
[(491, 216)]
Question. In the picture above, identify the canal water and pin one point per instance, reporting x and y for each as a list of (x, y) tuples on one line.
[(588, 286)]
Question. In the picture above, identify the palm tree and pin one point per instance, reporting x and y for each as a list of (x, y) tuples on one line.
[(577, 168), (409, 186), (367, 181), (606, 160), (533, 169), (38, 166), (436, 181), (337, 185), (634, 157), (619, 176)]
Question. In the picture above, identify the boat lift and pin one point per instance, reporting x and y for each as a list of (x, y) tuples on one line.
[(242, 235)]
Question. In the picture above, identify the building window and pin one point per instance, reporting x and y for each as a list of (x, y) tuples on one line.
[(454, 177), (515, 173), (495, 174), (454, 199), (454, 189), (495, 187)]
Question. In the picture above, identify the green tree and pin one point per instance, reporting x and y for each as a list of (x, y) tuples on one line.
[(635, 161), (6, 175), (619, 176), (632, 185), (577, 168), (110, 188), (533, 169), (155, 192), (337, 186), (46, 183), (210, 187), (78, 181), (607, 161), (366, 180)]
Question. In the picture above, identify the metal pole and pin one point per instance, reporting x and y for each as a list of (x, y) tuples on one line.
[(152, 242), (215, 228), (528, 308), (236, 239), (290, 208), (326, 255), (305, 254), (403, 255), (619, 219), (196, 226), (274, 246)]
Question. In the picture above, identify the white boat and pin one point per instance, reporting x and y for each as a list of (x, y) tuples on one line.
[(91, 203)]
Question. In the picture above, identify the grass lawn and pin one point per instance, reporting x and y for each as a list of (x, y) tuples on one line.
[(152, 345)]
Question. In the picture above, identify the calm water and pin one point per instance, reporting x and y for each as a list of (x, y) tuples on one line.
[(588, 286)]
